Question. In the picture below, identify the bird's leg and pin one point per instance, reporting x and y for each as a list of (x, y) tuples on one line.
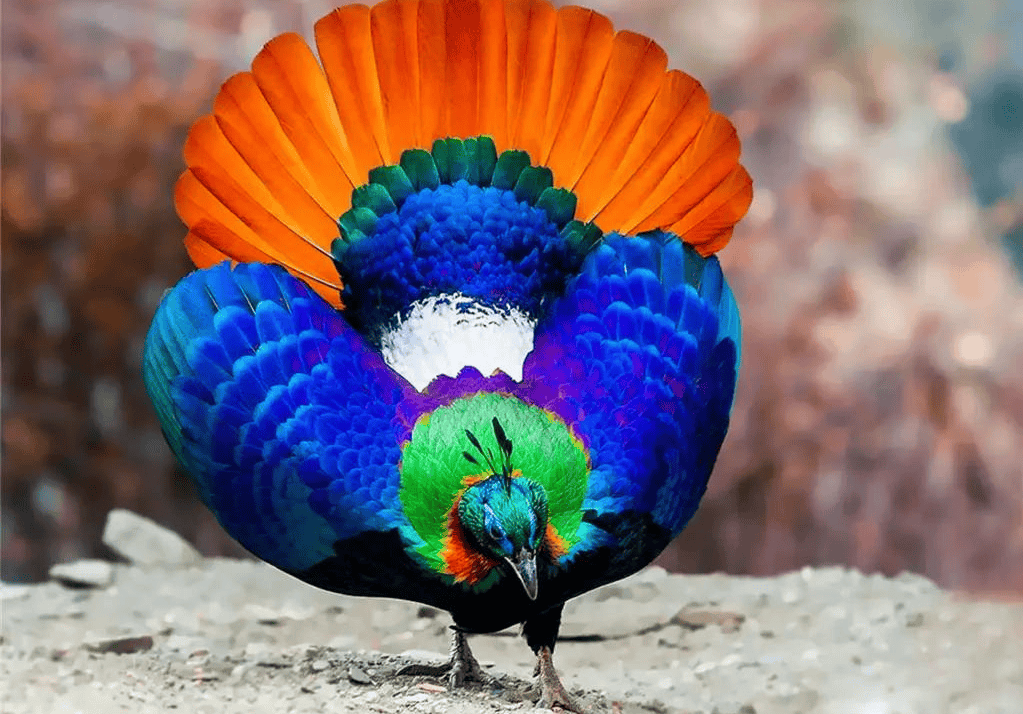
[(552, 691), (460, 668), (541, 631), (463, 665)]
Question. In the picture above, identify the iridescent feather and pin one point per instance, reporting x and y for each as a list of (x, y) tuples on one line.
[(458, 334)]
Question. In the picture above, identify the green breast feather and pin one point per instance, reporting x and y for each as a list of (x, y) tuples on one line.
[(435, 470)]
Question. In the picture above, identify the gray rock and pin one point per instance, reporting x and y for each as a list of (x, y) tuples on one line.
[(14, 591), (144, 542), (357, 675), (84, 573), (121, 645)]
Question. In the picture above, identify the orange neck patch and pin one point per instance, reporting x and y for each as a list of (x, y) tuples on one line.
[(460, 560), (554, 545)]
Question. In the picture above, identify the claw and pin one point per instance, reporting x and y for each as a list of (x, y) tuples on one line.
[(553, 694), (461, 668)]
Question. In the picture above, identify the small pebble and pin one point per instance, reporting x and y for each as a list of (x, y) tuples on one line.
[(121, 645), (87, 573), (358, 676), (145, 542), (696, 619), (915, 620)]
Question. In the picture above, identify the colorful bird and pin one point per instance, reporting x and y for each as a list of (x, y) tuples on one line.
[(457, 335)]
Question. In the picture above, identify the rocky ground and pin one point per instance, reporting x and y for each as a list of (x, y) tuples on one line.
[(171, 631)]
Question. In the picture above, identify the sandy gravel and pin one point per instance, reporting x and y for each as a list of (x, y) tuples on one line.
[(223, 636)]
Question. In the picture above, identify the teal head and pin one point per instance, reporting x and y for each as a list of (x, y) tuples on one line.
[(504, 516)]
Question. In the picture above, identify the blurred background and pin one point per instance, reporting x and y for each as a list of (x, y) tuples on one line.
[(879, 420)]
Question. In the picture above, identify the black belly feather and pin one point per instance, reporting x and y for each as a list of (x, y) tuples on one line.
[(376, 564)]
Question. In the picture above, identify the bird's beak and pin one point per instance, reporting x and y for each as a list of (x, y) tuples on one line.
[(524, 564)]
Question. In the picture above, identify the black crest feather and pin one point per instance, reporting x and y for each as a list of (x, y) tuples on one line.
[(503, 442), (487, 455), (506, 449)]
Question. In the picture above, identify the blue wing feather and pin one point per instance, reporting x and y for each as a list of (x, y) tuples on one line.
[(643, 348), (279, 410)]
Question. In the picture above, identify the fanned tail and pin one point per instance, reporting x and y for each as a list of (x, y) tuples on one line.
[(273, 169)]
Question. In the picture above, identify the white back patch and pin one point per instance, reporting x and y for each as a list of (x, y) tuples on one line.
[(443, 334)]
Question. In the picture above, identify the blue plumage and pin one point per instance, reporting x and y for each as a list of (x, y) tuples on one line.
[(297, 432), (644, 348), (571, 388), (293, 425), (278, 409), (481, 242)]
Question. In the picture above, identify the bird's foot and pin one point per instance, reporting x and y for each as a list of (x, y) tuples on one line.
[(461, 668), (553, 694)]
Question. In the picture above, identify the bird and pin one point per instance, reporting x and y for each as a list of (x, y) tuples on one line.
[(457, 333)]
